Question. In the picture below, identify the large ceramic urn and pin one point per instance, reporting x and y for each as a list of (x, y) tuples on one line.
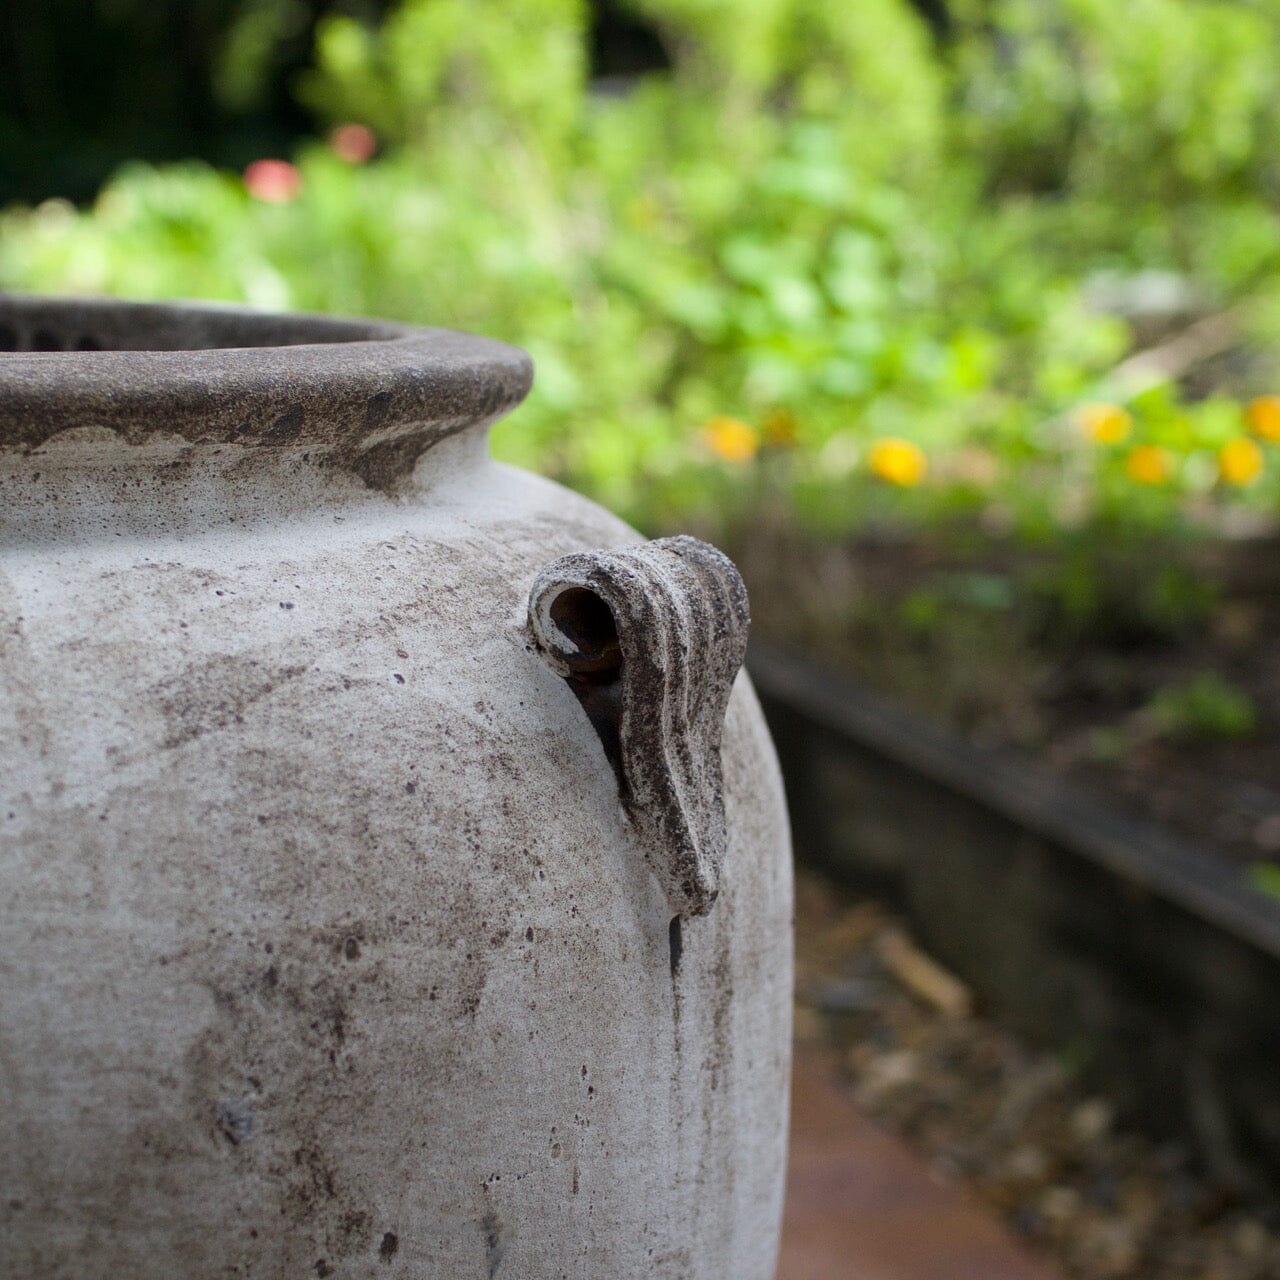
[(394, 872)]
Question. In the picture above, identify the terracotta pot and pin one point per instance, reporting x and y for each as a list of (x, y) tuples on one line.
[(381, 896)]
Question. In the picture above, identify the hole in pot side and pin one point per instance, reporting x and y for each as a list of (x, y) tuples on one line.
[(595, 670)]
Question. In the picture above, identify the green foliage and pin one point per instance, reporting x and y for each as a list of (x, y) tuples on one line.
[(1265, 877), (477, 72), (1103, 587), (1206, 708), (820, 269), (243, 70), (1154, 99), (844, 64)]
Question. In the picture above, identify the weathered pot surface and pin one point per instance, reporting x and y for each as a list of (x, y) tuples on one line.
[(386, 889)]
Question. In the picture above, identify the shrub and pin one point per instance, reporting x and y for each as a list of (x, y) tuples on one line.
[(874, 255)]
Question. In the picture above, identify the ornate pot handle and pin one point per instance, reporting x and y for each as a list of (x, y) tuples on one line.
[(650, 639)]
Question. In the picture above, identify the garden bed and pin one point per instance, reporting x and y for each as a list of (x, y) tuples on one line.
[(1151, 961), (1147, 674)]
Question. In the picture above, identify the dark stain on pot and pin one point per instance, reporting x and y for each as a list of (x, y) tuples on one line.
[(214, 694), (315, 1183), (351, 948), (675, 1027), (355, 1230), (276, 1129), (497, 1236), (381, 466), (286, 428), (390, 1243), (332, 1021), (719, 1059), (376, 410)]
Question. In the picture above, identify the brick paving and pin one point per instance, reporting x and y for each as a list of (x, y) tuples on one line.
[(861, 1206)]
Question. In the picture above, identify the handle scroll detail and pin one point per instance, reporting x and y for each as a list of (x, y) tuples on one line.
[(650, 639)]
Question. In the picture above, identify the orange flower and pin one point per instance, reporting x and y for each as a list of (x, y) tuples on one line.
[(273, 181), (732, 439), (1148, 464), (1240, 461), (1263, 417), (898, 461), (1104, 423), (354, 143)]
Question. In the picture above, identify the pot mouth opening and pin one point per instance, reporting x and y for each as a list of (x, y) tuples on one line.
[(33, 324), (372, 393)]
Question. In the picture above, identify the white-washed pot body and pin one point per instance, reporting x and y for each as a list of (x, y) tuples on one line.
[(328, 946)]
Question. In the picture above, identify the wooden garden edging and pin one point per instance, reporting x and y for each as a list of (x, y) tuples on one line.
[(1151, 962)]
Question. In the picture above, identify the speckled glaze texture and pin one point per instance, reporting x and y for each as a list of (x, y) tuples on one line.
[(334, 940)]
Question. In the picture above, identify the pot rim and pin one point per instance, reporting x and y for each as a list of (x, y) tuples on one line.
[(211, 373)]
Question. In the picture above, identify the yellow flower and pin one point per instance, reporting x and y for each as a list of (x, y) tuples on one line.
[(898, 461), (1104, 423), (732, 439), (1240, 461), (1263, 416), (1148, 464)]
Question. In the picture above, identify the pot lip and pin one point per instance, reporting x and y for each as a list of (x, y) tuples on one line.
[(212, 373)]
